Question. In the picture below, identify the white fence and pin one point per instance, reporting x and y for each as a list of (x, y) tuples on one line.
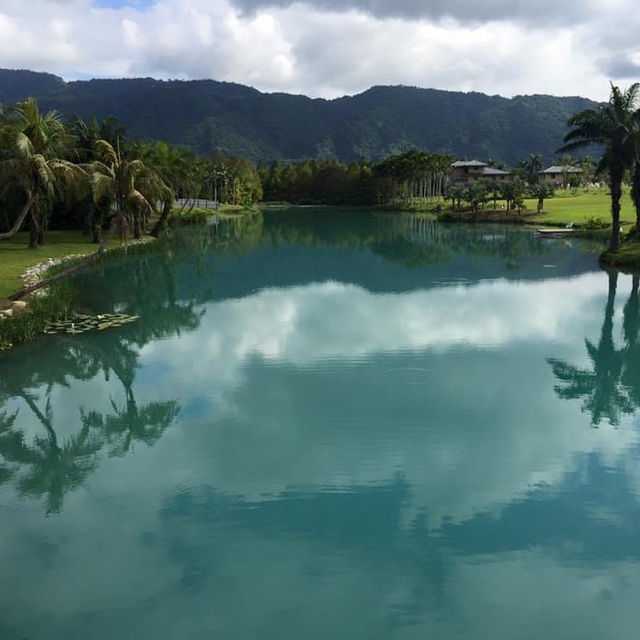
[(198, 203)]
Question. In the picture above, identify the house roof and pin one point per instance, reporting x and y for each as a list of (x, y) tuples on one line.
[(468, 163), (559, 169), (490, 171)]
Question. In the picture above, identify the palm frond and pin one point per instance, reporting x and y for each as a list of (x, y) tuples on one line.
[(105, 152), (103, 186)]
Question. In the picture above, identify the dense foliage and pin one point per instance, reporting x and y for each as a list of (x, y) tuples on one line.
[(87, 174), (210, 116), (411, 177)]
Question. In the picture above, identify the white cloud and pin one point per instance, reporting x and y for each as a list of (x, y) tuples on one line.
[(328, 48)]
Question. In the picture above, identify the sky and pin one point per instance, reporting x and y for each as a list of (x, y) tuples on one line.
[(329, 48)]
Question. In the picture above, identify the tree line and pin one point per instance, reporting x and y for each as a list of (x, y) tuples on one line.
[(88, 174), (57, 173)]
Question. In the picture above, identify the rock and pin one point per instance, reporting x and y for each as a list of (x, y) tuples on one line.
[(19, 304), (6, 313)]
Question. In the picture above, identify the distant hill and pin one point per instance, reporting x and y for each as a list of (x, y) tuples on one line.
[(207, 115)]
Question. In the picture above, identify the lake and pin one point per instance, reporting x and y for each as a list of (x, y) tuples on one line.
[(329, 424)]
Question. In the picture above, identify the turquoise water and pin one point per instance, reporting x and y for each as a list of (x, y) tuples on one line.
[(330, 425)]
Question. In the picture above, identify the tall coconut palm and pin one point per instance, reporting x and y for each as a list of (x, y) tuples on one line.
[(165, 170), (116, 177), (34, 145), (612, 125), (86, 134)]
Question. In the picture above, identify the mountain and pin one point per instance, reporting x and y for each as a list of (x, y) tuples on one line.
[(207, 116)]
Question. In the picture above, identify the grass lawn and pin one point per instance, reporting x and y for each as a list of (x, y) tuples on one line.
[(579, 208), (15, 257)]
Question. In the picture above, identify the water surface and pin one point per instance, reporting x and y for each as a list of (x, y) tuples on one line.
[(330, 425)]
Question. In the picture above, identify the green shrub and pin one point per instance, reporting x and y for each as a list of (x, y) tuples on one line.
[(59, 304), (595, 222), (195, 216)]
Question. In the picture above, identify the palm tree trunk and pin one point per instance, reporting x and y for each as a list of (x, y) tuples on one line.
[(19, 220), (635, 195), (42, 225), (159, 226), (137, 225), (96, 227), (34, 229), (616, 194)]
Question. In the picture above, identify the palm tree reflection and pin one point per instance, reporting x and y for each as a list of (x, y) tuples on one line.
[(610, 388), (46, 467)]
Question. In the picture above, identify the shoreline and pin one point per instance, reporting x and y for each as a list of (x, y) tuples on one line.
[(28, 318), (36, 273)]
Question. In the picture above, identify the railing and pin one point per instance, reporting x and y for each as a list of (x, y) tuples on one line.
[(198, 203)]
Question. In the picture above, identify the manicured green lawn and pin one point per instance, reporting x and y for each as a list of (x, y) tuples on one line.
[(579, 208), (15, 257)]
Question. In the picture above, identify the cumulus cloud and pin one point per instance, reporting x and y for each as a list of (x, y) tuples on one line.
[(328, 48)]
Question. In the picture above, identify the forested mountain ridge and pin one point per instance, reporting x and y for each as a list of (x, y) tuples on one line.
[(207, 115)]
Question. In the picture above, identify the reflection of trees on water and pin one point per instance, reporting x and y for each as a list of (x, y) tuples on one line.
[(47, 466), (409, 239), (146, 285), (7, 435), (130, 424), (610, 388), (414, 242)]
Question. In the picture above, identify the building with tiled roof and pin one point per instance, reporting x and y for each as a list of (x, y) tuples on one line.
[(467, 171)]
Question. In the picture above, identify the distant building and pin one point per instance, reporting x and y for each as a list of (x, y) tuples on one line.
[(559, 175), (465, 172)]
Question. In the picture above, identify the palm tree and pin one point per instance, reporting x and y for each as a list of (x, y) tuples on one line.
[(86, 134), (612, 125), (541, 190), (532, 167), (117, 178), (33, 145), (166, 166)]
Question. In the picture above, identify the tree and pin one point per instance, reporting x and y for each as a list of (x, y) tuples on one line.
[(541, 190), (116, 177), (477, 194), (119, 178), (532, 167), (512, 192), (86, 134), (32, 161), (455, 193), (588, 169), (613, 126), (165, 170)]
